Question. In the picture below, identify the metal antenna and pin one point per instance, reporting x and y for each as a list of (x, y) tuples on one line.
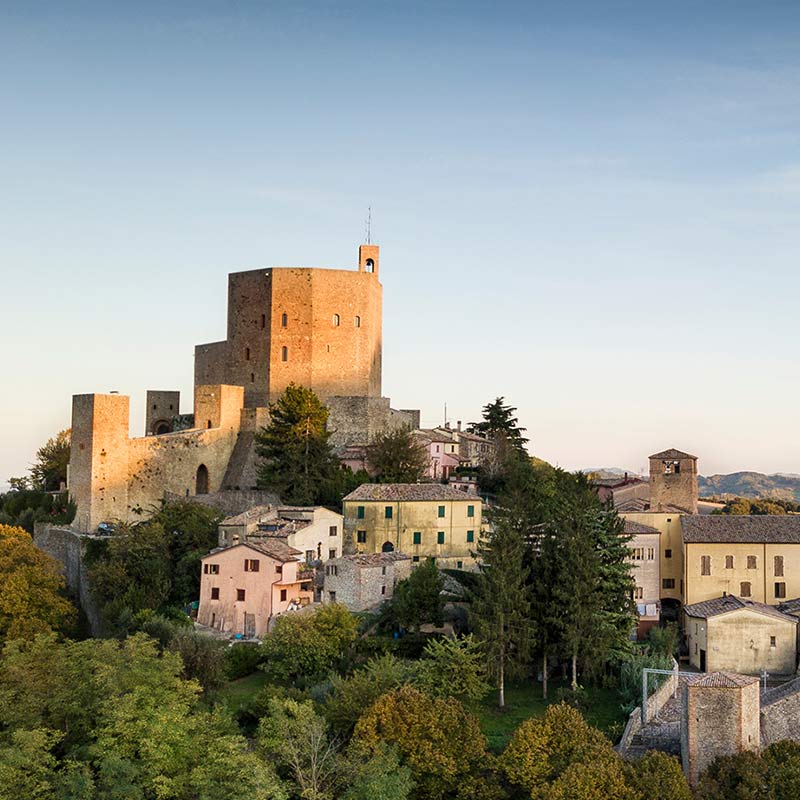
[(369, 225)]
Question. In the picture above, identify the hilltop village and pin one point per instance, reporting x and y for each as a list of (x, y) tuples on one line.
[(447, 549)]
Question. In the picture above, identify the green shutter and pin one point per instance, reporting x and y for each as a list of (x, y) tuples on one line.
[(441, 511), (387, 513), (417, 537), (361, 512), (470, 511), (470, 536), (440, 537)]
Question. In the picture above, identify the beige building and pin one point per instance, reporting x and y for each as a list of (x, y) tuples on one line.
[(753, 557), (242, 588), (735, 634), (671, 550), (364, 580), (645, 547), (420, 519), (315, 532)]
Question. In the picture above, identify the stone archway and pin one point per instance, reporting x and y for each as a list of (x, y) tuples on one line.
[(388, 547), (201, 481)]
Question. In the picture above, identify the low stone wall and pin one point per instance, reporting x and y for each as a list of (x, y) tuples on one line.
[(230, 502), (68, 547), (780, 713)]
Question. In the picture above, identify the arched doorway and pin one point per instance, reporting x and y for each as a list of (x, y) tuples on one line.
[(161, 427), (388, 547), (201, 483)]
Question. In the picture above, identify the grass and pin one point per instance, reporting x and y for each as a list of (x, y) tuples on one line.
[(238, 693), (524, 700)]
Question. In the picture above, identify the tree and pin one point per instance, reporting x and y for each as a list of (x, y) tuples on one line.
[(436, 738), (542, 749), (453, 668), (308, 644), (417, 600), (349, 697), (297, 737), (297, 459), (398, 457), (501, 605), (49, 471), (30, 589), (658, 776), (499, 423), (740, 777)]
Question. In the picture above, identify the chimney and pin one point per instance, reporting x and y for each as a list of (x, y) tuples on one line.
[(458, 425)]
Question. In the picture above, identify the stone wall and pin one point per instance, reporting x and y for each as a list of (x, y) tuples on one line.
[(69, 548), (780, 713)]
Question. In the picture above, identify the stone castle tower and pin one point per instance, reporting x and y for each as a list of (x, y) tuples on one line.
[(319, 328), (673, 481)]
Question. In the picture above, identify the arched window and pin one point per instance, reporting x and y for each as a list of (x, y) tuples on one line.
[(201, 481), (284, 320), (388, 547), (161, 428), (284, 353), (208, 424), (358, 321), (370, 264), (336, 320), (247, 354)]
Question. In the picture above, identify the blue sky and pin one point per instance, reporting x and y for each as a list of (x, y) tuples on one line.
[(589, 208)]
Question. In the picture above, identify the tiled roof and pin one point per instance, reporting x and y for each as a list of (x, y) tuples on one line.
[(637, 527), (672, 454), (724, 680), (275, 548), (638, 505), (393, 492), (249, 515), (434, 436), (735, 528), (789, 606), (375, 559), (722, 605)]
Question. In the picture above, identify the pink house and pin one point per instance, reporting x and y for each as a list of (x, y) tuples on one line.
[(243, 587), (442, 453)]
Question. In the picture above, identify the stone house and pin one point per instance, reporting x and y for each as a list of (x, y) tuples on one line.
[(645, 547), (244, 587), (364, 580), (736, 634), (752, 557), (315, 532), (420, 519)]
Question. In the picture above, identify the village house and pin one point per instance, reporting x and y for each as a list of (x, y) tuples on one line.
[(645, 557), (442, 451), (420, 519), (364, 580), (736, 634), (752, 557), (473, 448), (314, 531), (242, 588)]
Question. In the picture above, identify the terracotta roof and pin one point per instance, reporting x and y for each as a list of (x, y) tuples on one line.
[(723, 680), (735, 528), (274, 548), (434, 436), (728, 603), (375, 559), (673, 454), (249, 515), (637, 527), (393, 492), (638, 505)]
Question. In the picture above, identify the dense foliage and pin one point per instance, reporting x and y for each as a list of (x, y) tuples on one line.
[(24, 507), (397, 457), (31, 589)]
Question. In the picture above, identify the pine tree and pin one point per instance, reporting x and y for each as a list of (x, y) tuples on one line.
[(501, 606), (298, 461)]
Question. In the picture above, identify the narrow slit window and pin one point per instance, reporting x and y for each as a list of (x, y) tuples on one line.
[(284, 353)]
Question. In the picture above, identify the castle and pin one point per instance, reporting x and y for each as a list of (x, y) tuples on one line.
[(319, 328)]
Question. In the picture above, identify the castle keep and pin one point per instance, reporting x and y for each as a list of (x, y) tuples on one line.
[(319, 328)]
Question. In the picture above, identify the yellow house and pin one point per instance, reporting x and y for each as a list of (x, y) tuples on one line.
[(734, 634), (753, 557), (420, 519)]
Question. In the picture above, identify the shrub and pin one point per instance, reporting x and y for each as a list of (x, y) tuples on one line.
[(241, 659)]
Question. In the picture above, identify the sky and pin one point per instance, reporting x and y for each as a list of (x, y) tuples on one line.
[(590, 209)]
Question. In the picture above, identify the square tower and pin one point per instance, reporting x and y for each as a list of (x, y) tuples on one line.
[(673, 481)]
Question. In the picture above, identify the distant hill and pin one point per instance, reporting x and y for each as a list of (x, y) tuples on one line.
[(754, 485)]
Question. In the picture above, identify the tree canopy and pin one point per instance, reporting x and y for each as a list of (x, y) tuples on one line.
[(397, 457)]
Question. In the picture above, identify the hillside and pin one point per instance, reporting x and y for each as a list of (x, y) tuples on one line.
[(750, 484)]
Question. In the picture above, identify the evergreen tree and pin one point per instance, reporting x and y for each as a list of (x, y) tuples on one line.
[(397, 457), (501, 606), (418, 600), (298, 461)]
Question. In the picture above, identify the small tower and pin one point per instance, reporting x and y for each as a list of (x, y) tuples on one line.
[(721, 717), (368, 255), (162, 408), (673, 481)]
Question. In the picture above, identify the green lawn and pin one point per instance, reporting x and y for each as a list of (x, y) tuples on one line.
[(235, 694), (524, 700)]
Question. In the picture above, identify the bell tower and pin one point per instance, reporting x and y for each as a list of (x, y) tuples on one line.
[(368, 255)]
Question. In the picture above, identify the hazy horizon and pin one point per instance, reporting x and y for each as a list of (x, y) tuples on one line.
[(589, 210)]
